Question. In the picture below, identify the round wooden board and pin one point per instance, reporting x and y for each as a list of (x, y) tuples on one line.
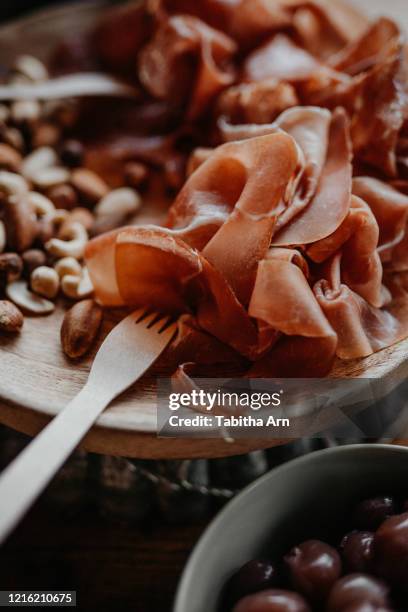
[(37, 381)]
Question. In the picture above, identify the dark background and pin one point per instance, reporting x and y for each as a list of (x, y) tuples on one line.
[(14, 8)]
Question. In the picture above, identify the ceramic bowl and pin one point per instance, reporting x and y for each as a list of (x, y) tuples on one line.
[(306, 498)]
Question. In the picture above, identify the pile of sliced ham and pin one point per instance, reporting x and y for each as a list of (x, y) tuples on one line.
[(287, 245)]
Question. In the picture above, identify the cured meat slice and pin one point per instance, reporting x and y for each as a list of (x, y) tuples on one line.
[(377, 102), (361, 329), (270, 163), (331, 202), (193, 344), (185, 50), (390, 208), (281, 59), (258, 102), (362, 54), (249, 21), (357, 239), (228, 207), (150, 266), (100, 260), (309, 126), (284, 300)]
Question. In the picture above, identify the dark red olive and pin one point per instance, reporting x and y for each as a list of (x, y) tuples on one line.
[(273, 600), (357, 589), (357, 551), (254, 576), (369, 514), (391, 551), (313, 568)]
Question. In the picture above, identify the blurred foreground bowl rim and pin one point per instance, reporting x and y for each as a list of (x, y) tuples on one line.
[(192, 567)]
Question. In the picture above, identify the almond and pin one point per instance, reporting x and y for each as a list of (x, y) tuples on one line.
[(11, 318), (80, 328)]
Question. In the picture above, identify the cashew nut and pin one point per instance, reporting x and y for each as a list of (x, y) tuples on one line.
[(4, 113), (124, 201), (68, 266), (45, 212), (60, 216), (45, 282), (25, 111), (71, 244), (41, 158), (113, 210), (77, 287), (13, 184), (50, 177), (14, 138), (28, 301), (43, 207), (3, 237), (31, 67)]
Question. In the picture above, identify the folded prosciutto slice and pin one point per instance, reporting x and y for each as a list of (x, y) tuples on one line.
[(357, 238), (286, 246), (153, 267), (268, 252), (361, 329), (321, 195), (185, 49)]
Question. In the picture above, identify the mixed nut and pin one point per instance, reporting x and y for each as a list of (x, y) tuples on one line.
[(50, 204), (366, 571)]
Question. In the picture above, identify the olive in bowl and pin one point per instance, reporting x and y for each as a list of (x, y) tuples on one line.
[(307, 522)]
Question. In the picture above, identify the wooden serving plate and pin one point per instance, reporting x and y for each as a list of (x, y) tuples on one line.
[(37, 381)]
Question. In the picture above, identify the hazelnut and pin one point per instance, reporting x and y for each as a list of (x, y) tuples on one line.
[(63, 196), (136, 174), (11, 267), (32, 259), (45, 282), (72, 153)]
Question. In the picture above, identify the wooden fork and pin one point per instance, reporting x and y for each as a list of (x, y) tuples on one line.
[(127, 352)]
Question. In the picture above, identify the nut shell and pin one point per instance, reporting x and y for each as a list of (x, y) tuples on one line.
[(80, 328)]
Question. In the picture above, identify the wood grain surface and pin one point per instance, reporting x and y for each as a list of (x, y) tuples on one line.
[(37, 381)]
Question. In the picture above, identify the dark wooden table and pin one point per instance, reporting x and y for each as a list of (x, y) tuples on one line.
[(111, 567), (70, 542)]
